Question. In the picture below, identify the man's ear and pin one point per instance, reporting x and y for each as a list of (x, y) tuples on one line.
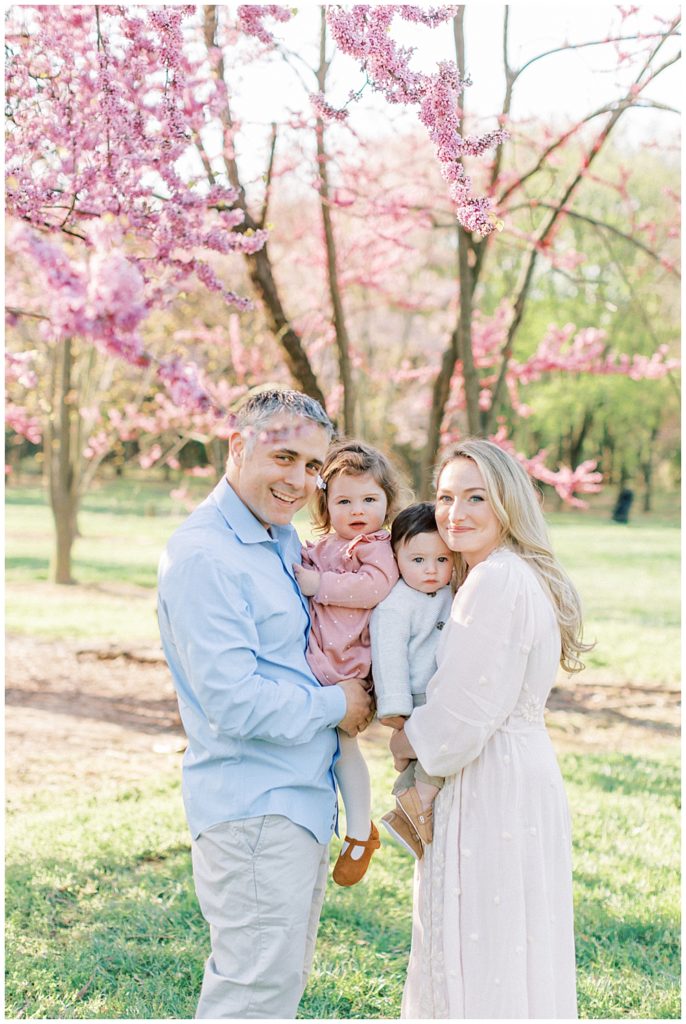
[(236, 447)]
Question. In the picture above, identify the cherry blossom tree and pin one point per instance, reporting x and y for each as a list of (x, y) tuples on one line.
[(100, 109), (131, 179)]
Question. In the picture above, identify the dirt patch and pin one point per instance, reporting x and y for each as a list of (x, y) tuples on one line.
[(79, 715), (82, 715)]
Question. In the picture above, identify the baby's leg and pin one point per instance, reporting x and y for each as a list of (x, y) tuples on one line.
[(428, 786), (352, 775), (426, 793)]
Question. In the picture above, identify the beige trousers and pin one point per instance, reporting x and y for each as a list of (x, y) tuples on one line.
[(260, 885)]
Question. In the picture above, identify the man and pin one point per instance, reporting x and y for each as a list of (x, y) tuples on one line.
[(258, 785)]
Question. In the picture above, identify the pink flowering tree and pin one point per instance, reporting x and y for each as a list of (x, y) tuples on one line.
[(473, 384), (100, 110), (133, 174)]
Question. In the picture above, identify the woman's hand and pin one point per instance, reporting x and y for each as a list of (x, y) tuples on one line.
[(402, 750)]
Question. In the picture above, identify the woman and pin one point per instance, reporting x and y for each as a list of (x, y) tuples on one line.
[(493, 929)]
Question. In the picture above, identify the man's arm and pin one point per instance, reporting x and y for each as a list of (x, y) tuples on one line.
[(216, 642)]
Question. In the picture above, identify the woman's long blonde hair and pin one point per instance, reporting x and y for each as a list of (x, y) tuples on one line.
[(516, 505)]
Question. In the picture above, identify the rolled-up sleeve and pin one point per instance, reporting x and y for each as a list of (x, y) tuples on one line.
[(216, 640), (481, 667)]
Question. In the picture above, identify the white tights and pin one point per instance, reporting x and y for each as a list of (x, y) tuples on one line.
[(352, 776)]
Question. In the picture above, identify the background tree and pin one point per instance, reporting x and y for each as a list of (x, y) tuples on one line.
[(380, 287)]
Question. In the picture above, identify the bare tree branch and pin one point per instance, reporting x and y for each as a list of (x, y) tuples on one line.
[(268, 178), (259, 263), (522, 291)]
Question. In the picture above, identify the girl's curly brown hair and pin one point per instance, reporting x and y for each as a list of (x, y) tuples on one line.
[(356, 458)]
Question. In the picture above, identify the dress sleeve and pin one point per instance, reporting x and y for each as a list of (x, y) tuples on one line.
[(481, 666), (365, 587), (389, 631)]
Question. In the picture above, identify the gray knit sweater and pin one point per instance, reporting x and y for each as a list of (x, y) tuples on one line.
[(404, 631)]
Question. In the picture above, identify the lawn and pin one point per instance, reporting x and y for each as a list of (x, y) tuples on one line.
[(101, 917), (102, 920), (628, 576)]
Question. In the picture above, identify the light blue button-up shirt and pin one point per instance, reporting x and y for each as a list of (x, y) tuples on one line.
[(234, 625)]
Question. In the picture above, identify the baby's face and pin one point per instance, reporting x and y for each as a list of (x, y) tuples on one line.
[(425, 563)]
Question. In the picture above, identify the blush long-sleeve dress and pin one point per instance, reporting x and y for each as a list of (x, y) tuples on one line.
[(493, 929), (355, 576)]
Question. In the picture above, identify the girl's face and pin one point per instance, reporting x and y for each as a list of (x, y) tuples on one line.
[(356, 505), (425, 563), (466, 521)]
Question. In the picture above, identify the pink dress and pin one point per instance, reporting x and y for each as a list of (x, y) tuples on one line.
[(356, 575)]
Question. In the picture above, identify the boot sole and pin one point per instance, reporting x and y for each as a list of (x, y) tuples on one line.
[(400, 839)]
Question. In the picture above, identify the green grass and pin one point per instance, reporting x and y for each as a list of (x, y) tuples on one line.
[(124, 527), (629, 580), (102, 919), (628, 576)]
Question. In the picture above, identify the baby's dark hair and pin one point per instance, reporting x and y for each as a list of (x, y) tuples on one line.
[(356, 459), (418, 518)]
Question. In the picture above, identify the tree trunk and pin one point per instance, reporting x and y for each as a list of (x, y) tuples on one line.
[(441, 390), (576, 443), (340, 327), (61, 453), (460, 344), (259, 264), (647, 470)]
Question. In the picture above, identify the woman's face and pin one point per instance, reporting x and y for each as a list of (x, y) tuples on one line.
[(466, 521)]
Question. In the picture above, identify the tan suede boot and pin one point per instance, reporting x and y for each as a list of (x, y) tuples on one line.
[(421, 818)]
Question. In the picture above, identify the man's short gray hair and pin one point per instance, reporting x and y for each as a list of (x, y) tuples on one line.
[(253, 416)]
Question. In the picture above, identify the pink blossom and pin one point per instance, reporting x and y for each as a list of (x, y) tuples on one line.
[(149, 458), (325, 111), (251, 16), (18, 367), (363, 32), (22, 423)]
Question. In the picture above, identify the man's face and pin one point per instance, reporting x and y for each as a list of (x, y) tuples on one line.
[(275, 473)]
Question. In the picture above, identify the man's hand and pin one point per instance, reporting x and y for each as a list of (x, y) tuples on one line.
[(393, 721), (308, 579), (360, 707), (402, 750)]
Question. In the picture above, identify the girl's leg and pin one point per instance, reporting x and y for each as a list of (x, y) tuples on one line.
[(352, 775)]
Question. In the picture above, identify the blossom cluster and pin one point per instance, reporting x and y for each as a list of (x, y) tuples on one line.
[(102, 106), (363, 32), (251, 18), (324, 110), (587, 351), (567, 482), (19, 368)]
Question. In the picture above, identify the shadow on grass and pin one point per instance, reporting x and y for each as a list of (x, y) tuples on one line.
[(650, 945), (25, 497), (147, 716), (127, 938), (625, 774), (128, 935), (36, 567)]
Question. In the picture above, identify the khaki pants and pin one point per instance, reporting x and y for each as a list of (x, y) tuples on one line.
[(260, 885)]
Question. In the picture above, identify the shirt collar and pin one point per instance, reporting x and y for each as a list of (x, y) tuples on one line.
[(244, 524)]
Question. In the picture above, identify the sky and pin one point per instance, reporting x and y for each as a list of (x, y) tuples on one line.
[(562, 86)]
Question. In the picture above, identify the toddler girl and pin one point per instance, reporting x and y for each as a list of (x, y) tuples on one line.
[(345, 575)]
